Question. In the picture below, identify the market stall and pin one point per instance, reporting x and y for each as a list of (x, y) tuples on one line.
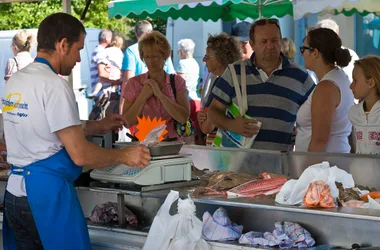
[(341, 226)]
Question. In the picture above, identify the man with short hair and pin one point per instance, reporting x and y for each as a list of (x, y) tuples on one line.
[(132, 63), (105, 38), (331, 24), (276, 88), (47, 146), (241, 32)]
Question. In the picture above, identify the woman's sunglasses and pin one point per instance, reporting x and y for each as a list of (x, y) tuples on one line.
[(303, 48)]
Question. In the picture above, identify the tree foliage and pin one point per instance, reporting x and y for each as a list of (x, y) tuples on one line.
[(28, 15)]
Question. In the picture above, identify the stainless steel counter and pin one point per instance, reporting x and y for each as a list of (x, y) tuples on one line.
[(338, 226)]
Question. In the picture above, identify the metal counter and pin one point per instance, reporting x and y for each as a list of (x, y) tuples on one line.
[(338, 226)]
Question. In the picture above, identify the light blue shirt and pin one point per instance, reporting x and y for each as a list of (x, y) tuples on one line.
[(133, 62)]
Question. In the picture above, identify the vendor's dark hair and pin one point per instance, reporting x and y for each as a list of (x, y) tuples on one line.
[(329, 44), (56, 27)]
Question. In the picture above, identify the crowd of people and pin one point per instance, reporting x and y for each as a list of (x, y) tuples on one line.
[(288, 107), (253, 96)]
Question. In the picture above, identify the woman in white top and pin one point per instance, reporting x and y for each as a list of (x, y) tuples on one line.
[(21, 44), (365, 116), (322, 121)]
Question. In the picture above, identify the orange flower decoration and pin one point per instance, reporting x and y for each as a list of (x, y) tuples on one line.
[(145, 125)]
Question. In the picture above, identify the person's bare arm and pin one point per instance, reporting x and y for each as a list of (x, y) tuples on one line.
[(88, 155), (104, 74), (180, 110), (326, 98), (133, 109), (112, 122), (181, 74), (204, 122), (240, 125)]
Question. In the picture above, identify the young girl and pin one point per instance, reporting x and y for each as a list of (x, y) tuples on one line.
[(365, 116)]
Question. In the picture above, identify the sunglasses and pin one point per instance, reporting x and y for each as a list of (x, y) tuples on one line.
[(264, 21), (303, 48)]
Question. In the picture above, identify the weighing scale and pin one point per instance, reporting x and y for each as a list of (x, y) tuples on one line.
[(161, 169)]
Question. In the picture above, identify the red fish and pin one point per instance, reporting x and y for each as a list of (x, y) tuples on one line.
[(258, 187)]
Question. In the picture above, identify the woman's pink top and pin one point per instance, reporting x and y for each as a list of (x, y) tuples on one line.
[(153, 107)]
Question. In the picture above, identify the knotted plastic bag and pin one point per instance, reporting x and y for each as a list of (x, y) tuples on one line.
[(293, 191), (181, 231)]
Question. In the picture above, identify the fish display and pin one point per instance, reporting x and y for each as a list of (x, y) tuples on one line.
[(318, 195), (226, 183), (259, 187)]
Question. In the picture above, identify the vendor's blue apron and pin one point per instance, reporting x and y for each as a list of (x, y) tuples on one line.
[(54, 203)]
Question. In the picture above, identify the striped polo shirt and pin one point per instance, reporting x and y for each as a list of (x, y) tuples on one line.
[(274, 102)]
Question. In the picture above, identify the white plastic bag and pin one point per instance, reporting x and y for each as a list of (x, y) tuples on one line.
[(181, 231), (153, 136), (294, 191)]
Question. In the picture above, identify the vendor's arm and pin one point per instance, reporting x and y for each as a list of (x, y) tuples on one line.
[(112, 122), (89, 155), (133, 107), (325, 99), (63, 118)]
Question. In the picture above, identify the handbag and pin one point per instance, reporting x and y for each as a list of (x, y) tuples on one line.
[(226, 138), (183, 129)]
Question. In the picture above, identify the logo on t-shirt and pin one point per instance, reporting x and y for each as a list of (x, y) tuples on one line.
[(13, 105)]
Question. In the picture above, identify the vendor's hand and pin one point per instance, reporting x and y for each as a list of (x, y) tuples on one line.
[(245, 127), (138, 156), (113, 122), (202, 116), (146, 91), (155, 87)]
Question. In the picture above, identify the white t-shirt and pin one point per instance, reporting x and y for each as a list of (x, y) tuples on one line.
[(341, 126), (190, 68), (36, 104), (366, 128)]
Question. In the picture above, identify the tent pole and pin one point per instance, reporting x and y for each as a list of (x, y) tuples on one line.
[(66, 8), (260, 8)]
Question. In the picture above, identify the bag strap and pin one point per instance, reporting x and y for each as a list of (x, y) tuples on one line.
[(243, 76), (172, 83), (241, 98), (14, 58)]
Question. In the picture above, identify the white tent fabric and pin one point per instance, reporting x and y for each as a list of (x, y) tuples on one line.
[(302, 7)]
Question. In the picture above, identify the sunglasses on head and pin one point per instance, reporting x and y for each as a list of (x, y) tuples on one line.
[(303, 48), (264, 21)]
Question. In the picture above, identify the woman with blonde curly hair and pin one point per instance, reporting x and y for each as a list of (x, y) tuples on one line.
[(221, 50), (151, 94)]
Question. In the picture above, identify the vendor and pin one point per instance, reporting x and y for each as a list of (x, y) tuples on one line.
[(46, 145)]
